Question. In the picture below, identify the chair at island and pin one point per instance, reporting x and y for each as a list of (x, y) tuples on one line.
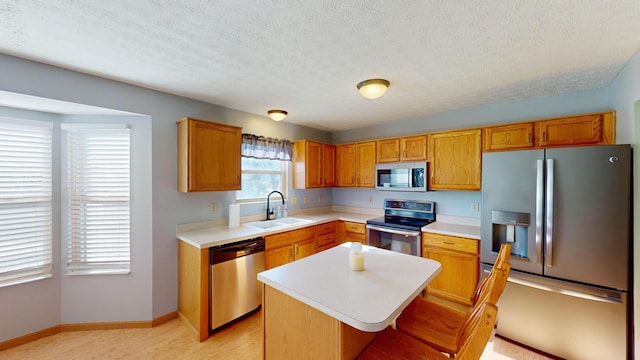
[(476, 331), (441, 326)]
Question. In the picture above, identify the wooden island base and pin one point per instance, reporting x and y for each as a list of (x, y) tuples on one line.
[(294, 330)]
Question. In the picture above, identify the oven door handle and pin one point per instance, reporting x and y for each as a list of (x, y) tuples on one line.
[(393, 231)]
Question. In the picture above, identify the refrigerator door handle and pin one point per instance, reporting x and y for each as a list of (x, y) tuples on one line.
[(548, 249), (539, 208), (574, 293), (606, 297)]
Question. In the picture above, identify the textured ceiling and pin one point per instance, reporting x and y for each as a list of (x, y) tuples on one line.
[(307, 56)]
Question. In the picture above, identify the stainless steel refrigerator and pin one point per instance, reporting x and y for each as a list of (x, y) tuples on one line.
[(566, 212)]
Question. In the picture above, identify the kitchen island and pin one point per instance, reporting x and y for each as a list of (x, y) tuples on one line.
[(317, 308)]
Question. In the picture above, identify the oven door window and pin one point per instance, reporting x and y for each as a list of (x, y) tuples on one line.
[(395, 242)]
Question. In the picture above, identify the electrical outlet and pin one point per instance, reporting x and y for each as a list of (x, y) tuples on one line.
[(320, 198), (294, 201), (305, 200), (475, 207), (213, 208)]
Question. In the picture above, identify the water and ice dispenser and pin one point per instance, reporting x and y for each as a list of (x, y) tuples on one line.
[(510, 228)]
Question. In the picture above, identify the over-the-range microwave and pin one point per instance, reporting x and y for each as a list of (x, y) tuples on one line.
[(405, 176)]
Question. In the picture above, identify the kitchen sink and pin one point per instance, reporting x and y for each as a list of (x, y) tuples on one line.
[(278, 223), (292, 221)]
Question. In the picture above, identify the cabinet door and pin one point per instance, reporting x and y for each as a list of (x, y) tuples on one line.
[(208, 156), (346, 165), (388, 150), (304, 248), (454, 160), (458, 275), (366, 164), (280, 256), (313, 164), (413, 148), (579, 130), (328, 165), (508, 137)]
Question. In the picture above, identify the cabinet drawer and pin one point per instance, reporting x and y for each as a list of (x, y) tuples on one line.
[(451, 243), (354, 227), (303, 234), (326, 239), (277, 240), (352, 237), (327, 228)]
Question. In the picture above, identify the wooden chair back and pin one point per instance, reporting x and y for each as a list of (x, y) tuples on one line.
[(478, 332), (502, 262)]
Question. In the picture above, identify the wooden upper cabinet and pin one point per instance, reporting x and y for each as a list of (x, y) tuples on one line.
[(578, 130), (208, 156), (409, 148), (328, 165), (455, 160), (346, 165), (508, 137), (413, 148), (366, 164), (313, 165), (388, 150), (356, 164)]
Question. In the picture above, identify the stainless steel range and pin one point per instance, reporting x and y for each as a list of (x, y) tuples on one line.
[(400, 227)]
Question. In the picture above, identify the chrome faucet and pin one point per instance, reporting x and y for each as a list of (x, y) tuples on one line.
[(269, 211)]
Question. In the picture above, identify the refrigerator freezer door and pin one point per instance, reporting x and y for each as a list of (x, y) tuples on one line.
[(591, 215), (563, 325), (511, 183)]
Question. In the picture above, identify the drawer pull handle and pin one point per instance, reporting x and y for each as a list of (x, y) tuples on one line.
[(449, 243)]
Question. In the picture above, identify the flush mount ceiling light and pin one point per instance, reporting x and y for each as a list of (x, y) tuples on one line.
[(373, 88), (277, 115)]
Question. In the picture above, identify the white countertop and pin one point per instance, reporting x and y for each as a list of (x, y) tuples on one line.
[(455, 226), (214, 236), (367, 300)]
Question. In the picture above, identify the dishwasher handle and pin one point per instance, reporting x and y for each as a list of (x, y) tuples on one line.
[(232, 251)]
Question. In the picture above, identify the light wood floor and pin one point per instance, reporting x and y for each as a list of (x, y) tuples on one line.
[(171, 340)]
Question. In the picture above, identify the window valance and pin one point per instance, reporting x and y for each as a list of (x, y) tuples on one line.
[(261, 147)]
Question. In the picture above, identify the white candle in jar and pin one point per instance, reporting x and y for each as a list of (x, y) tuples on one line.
[(356, 257)]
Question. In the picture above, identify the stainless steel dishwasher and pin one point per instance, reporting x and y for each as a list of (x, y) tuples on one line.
[(234, 286)]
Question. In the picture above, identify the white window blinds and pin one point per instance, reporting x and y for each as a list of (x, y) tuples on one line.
[(98, 194), (25, 200)]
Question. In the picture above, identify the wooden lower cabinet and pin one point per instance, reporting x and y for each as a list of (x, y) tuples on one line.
[(288, 246), (460, 260), (193, 289), (294, 330), (280, 256), (304, 248), (326, 236), (352, 232)]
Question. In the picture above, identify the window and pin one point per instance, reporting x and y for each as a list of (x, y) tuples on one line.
[(260, 177), (97, 198), (264, 167), (25, 200)]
